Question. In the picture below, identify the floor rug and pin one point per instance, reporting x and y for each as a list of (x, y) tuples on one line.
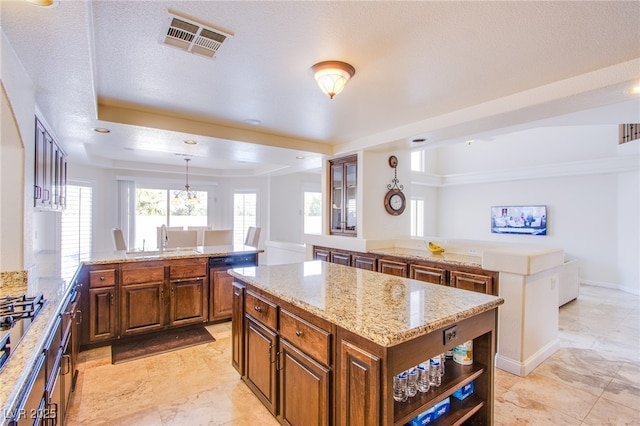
[(158, 343)]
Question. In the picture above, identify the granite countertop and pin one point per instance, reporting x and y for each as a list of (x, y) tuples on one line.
[(385, 309), (421, 254), (145, 256), (17, 370)]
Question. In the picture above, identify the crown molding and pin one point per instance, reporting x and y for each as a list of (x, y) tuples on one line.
[(609, 165)]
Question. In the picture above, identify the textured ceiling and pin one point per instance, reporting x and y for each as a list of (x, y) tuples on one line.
[(445, 71)]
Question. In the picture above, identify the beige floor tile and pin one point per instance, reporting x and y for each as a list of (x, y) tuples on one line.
[(609, 413), (198, 385)]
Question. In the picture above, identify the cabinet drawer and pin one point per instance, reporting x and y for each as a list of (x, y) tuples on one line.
[(102, 278), (264, 311), (142, 274), (307, 337), (188, 268)]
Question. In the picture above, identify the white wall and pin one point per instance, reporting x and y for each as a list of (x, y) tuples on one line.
[(592, 212), (16, 150), (286, 213)]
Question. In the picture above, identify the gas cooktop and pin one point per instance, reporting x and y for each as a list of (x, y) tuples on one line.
[(16, 315)]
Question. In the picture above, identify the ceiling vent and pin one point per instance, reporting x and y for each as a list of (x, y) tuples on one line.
[(193, 37), (629, 132)]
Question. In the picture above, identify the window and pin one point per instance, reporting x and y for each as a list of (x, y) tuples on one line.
[(244, 214), (157, 207), (417, 217), (417, 161), (312, 212), (75, 239)]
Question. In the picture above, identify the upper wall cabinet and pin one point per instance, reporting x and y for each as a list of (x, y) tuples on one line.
[(50, 172), (343, 181)]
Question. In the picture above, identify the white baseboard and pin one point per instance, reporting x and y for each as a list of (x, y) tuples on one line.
[(522, 369)]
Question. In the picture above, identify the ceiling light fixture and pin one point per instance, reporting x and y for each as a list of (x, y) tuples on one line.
[(332, 76), (635, 90), (186, 196), (190, 142)]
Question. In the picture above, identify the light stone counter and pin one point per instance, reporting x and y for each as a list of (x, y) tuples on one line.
[(385, 309), (17, 370), (421, 254)]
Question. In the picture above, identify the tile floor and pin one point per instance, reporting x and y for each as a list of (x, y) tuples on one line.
[(594, 379)]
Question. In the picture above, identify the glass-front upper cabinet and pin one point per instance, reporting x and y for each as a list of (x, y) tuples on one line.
[(344, 185)]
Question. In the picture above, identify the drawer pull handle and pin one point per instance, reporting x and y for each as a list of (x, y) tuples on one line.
[(257, 308), (298, 333)]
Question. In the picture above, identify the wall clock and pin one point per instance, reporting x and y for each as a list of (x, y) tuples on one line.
[(394, 200)]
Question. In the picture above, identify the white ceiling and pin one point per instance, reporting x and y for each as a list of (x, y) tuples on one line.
[(445, 71)]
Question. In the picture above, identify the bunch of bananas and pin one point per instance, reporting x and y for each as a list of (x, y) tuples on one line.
[(434, 248)]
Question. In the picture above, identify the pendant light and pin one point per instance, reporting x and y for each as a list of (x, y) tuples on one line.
[(332, 76), (187, 196)]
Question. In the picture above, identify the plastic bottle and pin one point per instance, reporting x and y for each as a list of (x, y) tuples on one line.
[(400, 387), (423, 377), (435, 378), (412, 382)]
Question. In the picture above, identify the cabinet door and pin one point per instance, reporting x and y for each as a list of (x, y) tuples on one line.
[(321, 254), (392, 267), (341, 258), (473, 282), (343, 190), (142, 308), (188, 302), (364, 262), (350, 171), (102, 314), (237, 329), (221, 298), (428, 274), (260, 355), (304, 388), (359, 400), (337, 199)]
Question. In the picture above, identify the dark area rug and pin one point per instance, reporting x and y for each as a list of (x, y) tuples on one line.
[(158, 343)]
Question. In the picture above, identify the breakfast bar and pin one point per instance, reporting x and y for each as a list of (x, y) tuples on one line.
[(320, 343)]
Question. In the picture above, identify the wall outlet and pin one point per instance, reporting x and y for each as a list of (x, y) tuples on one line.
[(472, 251), (450, 334)]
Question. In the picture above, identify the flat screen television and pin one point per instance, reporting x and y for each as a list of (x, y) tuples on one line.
[(524, 220)]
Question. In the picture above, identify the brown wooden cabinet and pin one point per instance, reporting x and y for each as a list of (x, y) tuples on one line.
[(305, 388), (428, 274), (261, 370), (50, 171), (363, 261), (358, 401), (292, 355), (237, 328), (343, 195), (221, 300), (321, 254), (341, 258), (392, 267), (142, 298), (100, 303), (471, 281)]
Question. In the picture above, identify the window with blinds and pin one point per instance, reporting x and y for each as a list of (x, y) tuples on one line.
[(76, 229), (629, 132), (417, 217), (244, 214)]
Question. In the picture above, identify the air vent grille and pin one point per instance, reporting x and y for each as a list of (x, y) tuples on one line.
[(193, 37), (629, 132)]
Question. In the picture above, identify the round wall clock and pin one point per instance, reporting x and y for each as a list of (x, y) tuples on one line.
[(394, 202)]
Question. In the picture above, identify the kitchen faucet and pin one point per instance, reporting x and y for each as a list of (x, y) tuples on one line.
[(164, 238)]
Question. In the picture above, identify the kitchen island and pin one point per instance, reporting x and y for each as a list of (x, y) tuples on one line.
[(27, 365), (319, 343)]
